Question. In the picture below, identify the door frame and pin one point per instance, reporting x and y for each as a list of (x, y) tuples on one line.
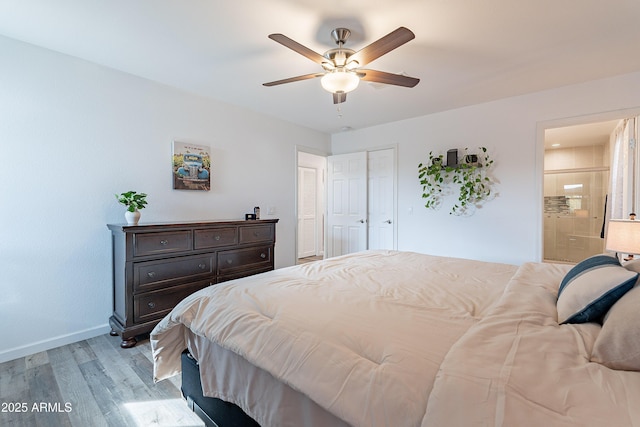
[(308, 150), (302, 216), (541, 127)]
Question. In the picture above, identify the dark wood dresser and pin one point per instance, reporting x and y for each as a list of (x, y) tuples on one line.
[(155, 266)]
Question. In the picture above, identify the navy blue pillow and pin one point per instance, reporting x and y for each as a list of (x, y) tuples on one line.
[(591, 287)]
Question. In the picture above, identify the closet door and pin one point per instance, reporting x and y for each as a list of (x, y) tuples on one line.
[(381, 199), (347, 204)]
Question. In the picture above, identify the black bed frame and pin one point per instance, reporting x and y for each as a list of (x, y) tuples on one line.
[(214, 412)]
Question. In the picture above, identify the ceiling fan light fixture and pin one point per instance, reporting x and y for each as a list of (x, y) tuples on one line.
[(340, 81)]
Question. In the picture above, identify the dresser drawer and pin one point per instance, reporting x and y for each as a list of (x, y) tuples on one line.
[(240, 273), (161, 273), (162, 242), (256, 233), (215, 237), (249, 258), (157, 304)]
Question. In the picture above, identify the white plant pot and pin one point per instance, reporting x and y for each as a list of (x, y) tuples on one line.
[(132, 217)]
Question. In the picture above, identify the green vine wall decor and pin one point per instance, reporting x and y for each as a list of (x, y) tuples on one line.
[(470, 178)]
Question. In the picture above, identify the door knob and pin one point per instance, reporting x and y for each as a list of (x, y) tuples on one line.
[(387, 221), (361, 221)]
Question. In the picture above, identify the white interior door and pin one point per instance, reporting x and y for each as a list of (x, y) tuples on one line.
[(381, 199), (347, 204), (307, 212)]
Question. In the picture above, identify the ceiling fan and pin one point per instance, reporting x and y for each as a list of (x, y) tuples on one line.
[(342, 72)]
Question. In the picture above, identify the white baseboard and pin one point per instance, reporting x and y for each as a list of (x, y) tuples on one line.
[(26, 350)]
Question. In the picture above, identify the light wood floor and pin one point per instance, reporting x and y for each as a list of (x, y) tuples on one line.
[(86, 384), (309, 259)]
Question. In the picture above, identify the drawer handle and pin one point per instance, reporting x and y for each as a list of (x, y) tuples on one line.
[(164, 242), (256, 233), (151, 304), (202, 266), (151, 274), (217, 238), (229, 261), (263, 255)]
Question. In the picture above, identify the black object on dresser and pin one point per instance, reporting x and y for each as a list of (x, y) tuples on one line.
[(155, 266)]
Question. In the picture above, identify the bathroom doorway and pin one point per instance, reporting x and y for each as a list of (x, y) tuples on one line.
[(310, 206), (576, 181)]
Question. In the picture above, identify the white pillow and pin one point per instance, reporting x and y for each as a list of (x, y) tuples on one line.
[(591, 287), (618, 344)]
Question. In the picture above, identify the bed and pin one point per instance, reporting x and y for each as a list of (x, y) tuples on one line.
[(389, 338)]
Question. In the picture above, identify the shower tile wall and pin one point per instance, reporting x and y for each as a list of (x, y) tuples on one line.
[(574, 202)]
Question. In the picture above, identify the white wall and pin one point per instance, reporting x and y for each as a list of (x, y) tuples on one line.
[(73, 134), (508, 228)]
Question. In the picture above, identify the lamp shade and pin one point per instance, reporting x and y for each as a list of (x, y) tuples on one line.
[(623, 236), (340, 81)]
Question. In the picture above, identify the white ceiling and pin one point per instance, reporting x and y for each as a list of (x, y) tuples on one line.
[(465, 51), (580, 135)]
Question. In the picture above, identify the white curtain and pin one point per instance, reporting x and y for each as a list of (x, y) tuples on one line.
[(623, 190)]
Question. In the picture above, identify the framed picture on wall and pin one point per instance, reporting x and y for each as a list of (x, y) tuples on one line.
[(191, 166)]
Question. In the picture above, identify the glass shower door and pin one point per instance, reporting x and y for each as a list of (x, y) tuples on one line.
[(574, 204)]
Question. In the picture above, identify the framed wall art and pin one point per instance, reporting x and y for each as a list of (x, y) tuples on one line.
[(191, 167)]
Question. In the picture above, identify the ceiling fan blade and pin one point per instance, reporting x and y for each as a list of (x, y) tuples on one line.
[(294, 79), (381, 46), (339, 97), (297, 47), (387, 78)]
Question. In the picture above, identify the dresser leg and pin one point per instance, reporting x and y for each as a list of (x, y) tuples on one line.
[(113, 333), (128, 343)]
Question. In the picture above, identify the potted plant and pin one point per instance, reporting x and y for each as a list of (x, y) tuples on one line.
[(432, 176), (133, 201), (469, 178)]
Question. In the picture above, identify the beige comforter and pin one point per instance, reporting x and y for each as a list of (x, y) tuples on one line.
[(403, 339), (363, 335), (518, 367)]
